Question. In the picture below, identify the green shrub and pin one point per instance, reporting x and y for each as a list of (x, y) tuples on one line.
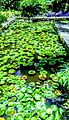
[(2, 18), (60, 5), (30, 8), (9, 4)]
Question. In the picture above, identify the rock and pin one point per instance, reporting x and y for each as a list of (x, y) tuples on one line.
[(18, 73)]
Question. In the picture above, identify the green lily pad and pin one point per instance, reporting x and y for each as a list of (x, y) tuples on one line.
[(2, 109), (43, 72), (1, 118), (54, 108), (10, 111), (1, 112), (29, 91), (11, 104), (11, 71), (33, 118), (23, 89), (42, 77), (37, 97), (31, 72), (19, 116), (43, 114), (24, 77), (32, 84), (55, 78), (2, 99), (49, 111)]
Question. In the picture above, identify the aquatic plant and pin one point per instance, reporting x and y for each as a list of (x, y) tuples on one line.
[(2, 109), (62, 78), (43, 72), (31, 72), (31, 45), (10, 111), (28, 100), (24, 77), (27, 47), (42, 77)]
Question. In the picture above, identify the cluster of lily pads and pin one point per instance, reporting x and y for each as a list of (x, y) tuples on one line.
[(31, 45), (27, 43), (32, 101)]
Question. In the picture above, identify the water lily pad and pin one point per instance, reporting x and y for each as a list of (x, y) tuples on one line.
[(33, 118), (2, 99), (11, 71), (43, 72), (54, 108), (58, 92), (31, 72), (11, 104), (1, 118), (19, 116), (2, 109), (43, 114), (37, 96), (55, 78), (24, 77), (32, 84), (49, 111), (10, 111), (23, 89), (42, 77)]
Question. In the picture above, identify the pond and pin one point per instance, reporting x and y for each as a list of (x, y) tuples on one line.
[(34, 73)]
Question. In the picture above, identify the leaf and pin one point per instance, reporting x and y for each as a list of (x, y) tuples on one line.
[(37, 96), (57, 115), (49, 111), (54, 108), (42, 114)]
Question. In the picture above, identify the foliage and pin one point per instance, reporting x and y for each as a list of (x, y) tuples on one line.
[(60, 5), (10, 13), (28, 44), (23, 101), (34, 7), (62, 77), (30, 8), (31, 72), (9, 4), (2, 18)]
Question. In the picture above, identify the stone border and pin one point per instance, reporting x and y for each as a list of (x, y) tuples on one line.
[(61, 39), (43, 18), (31, 18), (4, 25)]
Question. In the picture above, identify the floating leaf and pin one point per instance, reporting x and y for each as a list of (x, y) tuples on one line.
[(31, 72)]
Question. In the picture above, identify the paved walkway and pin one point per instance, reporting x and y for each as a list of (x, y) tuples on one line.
[(64, 31)]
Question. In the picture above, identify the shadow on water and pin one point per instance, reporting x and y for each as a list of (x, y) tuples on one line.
[(32, 78)]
